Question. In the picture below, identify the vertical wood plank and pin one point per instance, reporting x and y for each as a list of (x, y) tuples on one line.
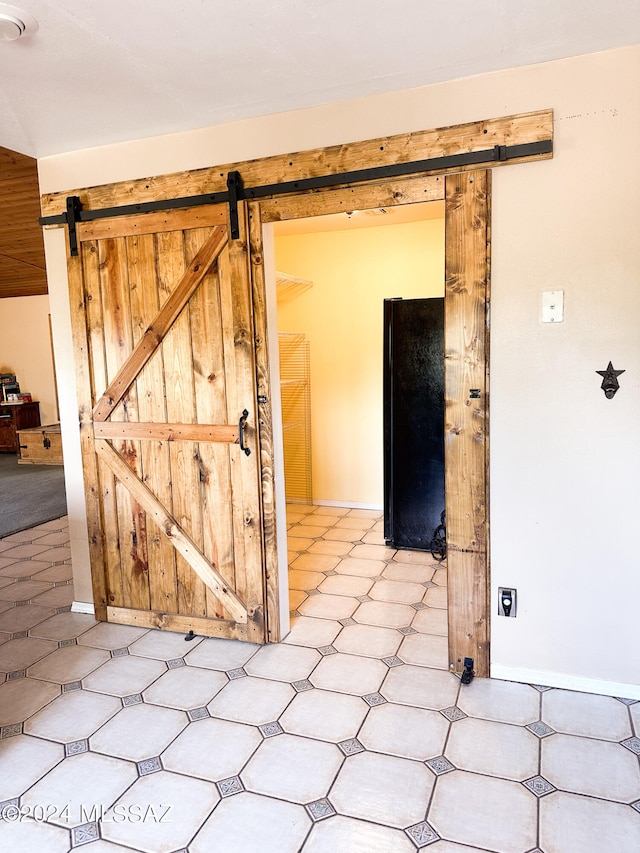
[(240, 369), (263, 378), (105, 484), (154, 455), (211, 407), (78, 304), (466, 415), (180, 402), (234, 407), (486, 668), (118, 341)]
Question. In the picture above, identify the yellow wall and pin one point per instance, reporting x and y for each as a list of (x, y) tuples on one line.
[(25, 349), (341, 315)]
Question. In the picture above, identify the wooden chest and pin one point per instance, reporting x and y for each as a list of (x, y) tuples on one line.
[(40, 446)]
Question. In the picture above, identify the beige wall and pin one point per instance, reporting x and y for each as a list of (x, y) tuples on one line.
[(565, 462), (25, 349), (341, 315)]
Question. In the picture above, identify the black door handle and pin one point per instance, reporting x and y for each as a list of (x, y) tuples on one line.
[(241, 425)]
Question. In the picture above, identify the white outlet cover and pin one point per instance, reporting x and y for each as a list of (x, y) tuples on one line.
[(552, 306)]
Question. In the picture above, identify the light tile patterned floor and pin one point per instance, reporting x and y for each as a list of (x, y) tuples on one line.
[(350, 736)]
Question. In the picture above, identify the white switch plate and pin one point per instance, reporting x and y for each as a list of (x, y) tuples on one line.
[(553, 306)]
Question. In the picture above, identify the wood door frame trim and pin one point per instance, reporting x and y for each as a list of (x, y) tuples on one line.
[(413, 146), (474, 136), (468, 631), (466, 430)]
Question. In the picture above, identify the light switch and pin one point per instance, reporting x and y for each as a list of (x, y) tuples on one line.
[(553, 306)]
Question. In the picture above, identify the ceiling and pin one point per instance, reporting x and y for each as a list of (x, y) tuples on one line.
[(97, 72)]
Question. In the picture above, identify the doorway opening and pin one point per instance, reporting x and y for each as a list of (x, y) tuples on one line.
[(348, 589), (32, 489)]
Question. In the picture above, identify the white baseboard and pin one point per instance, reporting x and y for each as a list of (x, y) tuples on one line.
[(566, 682), (83, 607), (349, 504)]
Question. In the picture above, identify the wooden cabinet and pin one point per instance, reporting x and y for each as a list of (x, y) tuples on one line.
[(40, 445), (13, 417)]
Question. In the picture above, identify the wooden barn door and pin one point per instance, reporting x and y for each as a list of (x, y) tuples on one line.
[(163, 325)]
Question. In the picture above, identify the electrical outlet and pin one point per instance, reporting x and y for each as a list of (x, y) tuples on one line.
[(507, 601)]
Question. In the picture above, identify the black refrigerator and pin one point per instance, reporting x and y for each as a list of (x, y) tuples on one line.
[(413, 421)]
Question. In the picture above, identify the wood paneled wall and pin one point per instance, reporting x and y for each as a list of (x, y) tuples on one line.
[(22, 266)]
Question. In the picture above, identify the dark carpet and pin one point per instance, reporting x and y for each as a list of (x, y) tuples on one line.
[(29, 494)]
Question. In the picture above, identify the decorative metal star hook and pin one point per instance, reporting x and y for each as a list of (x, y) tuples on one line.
[(610, 382)]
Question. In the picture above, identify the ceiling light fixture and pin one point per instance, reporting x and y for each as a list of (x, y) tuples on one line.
[(15, 23)]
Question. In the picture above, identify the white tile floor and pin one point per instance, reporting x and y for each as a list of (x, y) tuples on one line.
[(349, 736)]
